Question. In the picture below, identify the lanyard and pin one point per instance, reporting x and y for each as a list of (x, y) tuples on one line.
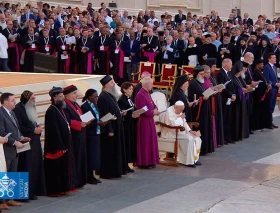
[(84, 42), (46, 40), (263, 52), (102, 42), (118, 45), (32, 39), (62, 40), (243, 52), (149, 41)]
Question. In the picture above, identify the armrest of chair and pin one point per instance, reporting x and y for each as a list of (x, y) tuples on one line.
[(135, 73), (193, 124), (157, 75), (181, 128)]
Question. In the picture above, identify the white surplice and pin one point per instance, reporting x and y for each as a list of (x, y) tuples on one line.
[(189, 146), (3, 166)]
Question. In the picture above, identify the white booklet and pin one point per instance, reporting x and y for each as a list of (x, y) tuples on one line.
[(108, 117), (64, 57), (26, 147), (126, 59), (208, 92), (141, 111), (87, 117), (8, 135)]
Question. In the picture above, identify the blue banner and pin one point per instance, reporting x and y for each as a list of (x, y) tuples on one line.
[(14, 185)]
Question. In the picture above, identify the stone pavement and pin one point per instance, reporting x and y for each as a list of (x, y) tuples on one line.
[(239, 178)]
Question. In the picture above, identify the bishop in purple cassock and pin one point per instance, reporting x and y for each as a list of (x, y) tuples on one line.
[(147, 143)]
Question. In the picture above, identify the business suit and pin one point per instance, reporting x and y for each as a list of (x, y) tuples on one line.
[(26, 17), (128, 49), (7, 125), (179, 19), (270, 74), (248, 21), (228, 92), (168, 56)]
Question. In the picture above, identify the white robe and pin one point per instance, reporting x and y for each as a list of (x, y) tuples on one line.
[(3, 166), (189, 145)]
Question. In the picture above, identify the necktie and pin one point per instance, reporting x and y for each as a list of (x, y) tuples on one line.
[(15, 122)]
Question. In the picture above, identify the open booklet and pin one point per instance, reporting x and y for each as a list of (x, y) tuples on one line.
[(108, 117), (87, 117), (141, 111), (26, 147), (213, 90)]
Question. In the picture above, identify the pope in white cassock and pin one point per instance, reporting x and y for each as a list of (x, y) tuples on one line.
[(189, 141)]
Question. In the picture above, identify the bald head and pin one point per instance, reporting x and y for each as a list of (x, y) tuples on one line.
[(249, 58)]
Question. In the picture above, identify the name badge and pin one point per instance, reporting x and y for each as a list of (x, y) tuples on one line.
[(102, 48), (117, 51), (63, 47), (242, 59), (47, 48), (32, 45)]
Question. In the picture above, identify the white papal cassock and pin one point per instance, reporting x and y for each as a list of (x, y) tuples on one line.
[(3, 166), (189, 146)]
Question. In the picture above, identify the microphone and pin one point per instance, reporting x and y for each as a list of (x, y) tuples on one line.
[(180, 68)]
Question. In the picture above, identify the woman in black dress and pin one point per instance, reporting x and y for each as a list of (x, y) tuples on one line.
[(129, 123), (92, 135)]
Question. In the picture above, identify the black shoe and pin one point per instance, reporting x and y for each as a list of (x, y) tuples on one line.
[(191, 165), (33, 198), (198, 163), (270, 127), (152, 166), (129, 170), (274, 126), (92, 181), (251, 133), (98, 181)]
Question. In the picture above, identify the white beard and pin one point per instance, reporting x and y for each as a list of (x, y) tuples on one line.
[(114, 92), (243, 75), (201, 80), (31, 111)]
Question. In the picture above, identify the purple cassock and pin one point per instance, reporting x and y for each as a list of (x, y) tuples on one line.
[(147, 143)]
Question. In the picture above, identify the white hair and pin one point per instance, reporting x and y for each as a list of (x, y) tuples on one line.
[(31, 111), (146, 80)]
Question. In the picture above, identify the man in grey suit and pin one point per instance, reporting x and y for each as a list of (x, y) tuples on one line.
[(9, 124)]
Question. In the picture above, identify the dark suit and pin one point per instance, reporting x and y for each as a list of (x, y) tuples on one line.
[(227, 93), (170, 55), (248, 21), (7, 125), (271, 77), (178, 19), (25, 16)]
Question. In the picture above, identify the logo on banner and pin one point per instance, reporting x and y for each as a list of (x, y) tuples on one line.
[(14, 185)]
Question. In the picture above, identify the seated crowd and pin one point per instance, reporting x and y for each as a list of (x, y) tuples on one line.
[(245, 91)]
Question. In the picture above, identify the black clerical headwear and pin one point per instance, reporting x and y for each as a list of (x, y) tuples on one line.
[(105, 80), (25, 96), (197, 70), (160, 33), (207, 36), (54, 91), (211, 61), (258, 61), (244, 38), (69, 89), (245, 64), (180, 81), (253, 33), (226, 35)]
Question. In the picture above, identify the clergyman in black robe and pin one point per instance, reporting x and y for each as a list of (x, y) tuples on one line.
[(73, 111), (218, 104), (58, 149), (240, 123), (178, 94), (32, 160), (207, 50), (202, 111), (113, 158), (261, 117)]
